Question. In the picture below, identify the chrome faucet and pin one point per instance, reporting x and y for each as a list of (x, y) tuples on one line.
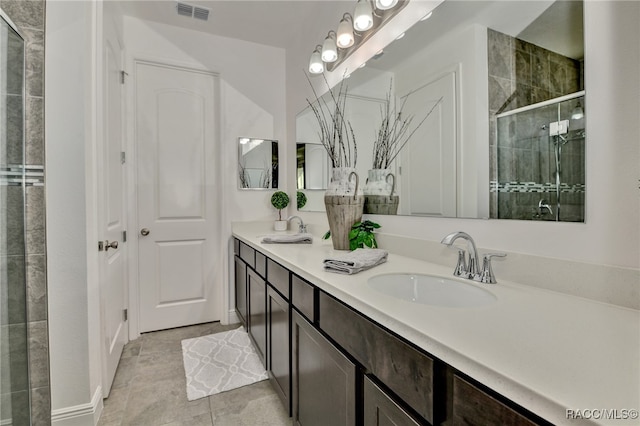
[(302, 228), (470, 269), (464, 269)]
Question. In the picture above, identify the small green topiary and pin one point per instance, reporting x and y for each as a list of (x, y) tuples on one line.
[(302, 199), (280, 200)]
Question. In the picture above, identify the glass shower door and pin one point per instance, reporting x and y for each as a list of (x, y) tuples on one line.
[(14, 372)]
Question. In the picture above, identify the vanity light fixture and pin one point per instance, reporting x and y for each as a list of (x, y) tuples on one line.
[(315, 64), (400, 36), (385, 4), (363, 16), (353, 31), (345, 36), (329, 48)]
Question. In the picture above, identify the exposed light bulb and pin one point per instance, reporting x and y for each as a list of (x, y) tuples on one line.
[(385, 4), (363, 65), (400, 36), (315, 63), (363, 16), (577, 112), (344, 36), (329, 49)]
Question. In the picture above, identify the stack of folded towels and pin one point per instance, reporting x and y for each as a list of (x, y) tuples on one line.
[(302, 238), (355, 261)]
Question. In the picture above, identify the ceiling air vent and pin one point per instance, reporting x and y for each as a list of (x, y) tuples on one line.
[(200, 13), (196, 12)]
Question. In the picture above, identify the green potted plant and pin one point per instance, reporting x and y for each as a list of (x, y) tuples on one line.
[(280, 200), (301, 199), (361, 235)]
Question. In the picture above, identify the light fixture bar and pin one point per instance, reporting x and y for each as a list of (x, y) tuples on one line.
[(357, 38)]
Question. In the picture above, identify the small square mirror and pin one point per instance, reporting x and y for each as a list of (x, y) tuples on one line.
[(257, 163)]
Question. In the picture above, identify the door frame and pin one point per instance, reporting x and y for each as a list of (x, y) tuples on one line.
[(131, 61)]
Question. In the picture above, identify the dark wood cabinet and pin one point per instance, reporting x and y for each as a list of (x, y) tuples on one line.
[(402, 368), (332, 365), (323, 379), (279, 347), (473, 406), (257, 293), (381, 410), (241, 290)]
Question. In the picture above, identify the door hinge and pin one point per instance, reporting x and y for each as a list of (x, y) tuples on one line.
[(123, 157), (124, 236), (100, 245), (125, 314), (123, 74)]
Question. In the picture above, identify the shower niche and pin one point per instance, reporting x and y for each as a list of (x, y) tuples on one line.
[(540, 161)]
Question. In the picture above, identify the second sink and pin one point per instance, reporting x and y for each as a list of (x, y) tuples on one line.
[(431, 290)]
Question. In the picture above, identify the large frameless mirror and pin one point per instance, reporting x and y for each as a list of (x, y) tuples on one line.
[(257, 163), (491, 148)]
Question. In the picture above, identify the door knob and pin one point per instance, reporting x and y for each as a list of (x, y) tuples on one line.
[(144, 232), (110, 244)]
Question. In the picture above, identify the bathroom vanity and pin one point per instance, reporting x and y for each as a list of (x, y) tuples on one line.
[(339, 352)]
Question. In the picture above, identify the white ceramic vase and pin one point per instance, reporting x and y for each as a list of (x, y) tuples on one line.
[(280, 225), (379, 182)]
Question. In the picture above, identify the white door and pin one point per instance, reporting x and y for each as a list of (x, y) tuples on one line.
[(112, 212), (177, 230), (428, 166)]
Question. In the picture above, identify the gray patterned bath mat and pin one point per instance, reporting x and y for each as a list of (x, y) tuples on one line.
[(220, 362)]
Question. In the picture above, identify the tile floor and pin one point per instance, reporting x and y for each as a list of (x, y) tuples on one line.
[(149, 389)]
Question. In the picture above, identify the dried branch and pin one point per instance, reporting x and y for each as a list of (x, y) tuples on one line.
[(394, 134), (336, 133)]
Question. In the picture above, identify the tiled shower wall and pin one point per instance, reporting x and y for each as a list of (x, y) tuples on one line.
[(29, 17), (520, 74)]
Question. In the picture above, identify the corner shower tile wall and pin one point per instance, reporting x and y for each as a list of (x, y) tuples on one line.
[(29, 17), (521, 73)]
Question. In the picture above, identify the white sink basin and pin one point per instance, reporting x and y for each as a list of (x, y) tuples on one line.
[(430, 290)]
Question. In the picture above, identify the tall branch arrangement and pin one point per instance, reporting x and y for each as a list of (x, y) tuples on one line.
[(394, 132), (336, 133)]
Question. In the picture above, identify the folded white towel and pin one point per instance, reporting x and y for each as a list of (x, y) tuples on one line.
[(288, 239), (358, 260)]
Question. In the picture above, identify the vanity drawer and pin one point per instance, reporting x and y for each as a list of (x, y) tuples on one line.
[(302, 297), (278, 277), (261, 264), (471, 405), (403, 369), (248, 254)]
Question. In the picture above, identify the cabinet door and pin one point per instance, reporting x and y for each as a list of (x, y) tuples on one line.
[(279, 344), (257, 290), (323, 379), (381, 410), (241, 289), (472, 406)]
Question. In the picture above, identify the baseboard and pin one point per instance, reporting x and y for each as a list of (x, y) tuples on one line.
[(79, 415), (232, 317)]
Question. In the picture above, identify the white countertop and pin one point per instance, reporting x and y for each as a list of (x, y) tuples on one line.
[(546, 351)]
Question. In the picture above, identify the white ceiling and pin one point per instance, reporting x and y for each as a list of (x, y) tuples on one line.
[(280, 23)]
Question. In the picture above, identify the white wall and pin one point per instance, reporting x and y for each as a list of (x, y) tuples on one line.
[(611, 234), (71, 239)]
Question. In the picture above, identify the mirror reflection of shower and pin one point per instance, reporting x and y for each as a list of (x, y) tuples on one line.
[(540, 157)]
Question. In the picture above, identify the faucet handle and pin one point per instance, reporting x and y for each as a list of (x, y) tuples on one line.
[(461, 266), (302, 229), (486, 275)]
